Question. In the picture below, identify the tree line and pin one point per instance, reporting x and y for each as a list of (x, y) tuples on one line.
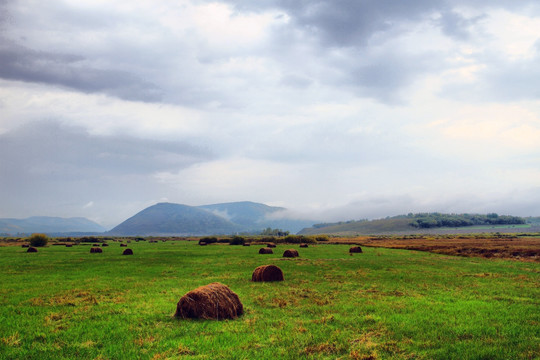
[(433, 220)]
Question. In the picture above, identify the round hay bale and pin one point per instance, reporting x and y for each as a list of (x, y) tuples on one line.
[(355, 249), (31, 249), (95, 250), (128, 252), (69, 245), (104, 244), (202, 243), (123, 245), (25, 245), (290, 253), (271, 245), (267, 273), (212, 301), (265, 251), (303, 245)]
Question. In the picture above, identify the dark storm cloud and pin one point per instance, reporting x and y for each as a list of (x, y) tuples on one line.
[(24, 64), (50, 150), (457, 26)]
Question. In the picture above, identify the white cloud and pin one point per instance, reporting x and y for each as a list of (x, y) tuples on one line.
[(376, 110)]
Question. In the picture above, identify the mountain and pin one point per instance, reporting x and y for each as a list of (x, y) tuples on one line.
[(244, 213), (254, 217), (213, 219), (175, 219), (49, 225)]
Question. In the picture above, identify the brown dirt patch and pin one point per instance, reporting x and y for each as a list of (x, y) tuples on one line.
[(505, 247)]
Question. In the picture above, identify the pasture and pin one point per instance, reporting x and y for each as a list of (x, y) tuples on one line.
[(66, 303)]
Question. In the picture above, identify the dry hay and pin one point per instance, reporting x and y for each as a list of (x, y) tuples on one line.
[(266, 250), (123, 245), (104, 244), (95, 250), (213, 301), (355, 249), (303, 245), (271, 245), (290, 253), (128, 252), (267, 273), (31, 249)]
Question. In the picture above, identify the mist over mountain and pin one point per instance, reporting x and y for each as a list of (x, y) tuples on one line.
[(213, 219), (47, 224), (174, 219)]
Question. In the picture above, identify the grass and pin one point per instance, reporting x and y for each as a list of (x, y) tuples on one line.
[(65, 303)]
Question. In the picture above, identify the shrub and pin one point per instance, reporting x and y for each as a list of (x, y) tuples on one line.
[(298, 239), (237, 240), (321, 237), (38, 240), (208, 240)]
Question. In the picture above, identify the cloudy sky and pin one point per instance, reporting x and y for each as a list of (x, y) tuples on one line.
[(335, 109)]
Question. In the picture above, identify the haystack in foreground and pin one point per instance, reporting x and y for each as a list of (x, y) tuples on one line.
[(213, 301), (290, 253), (31, 249), (128, 252), (267, 273), (355, 249), (265, 251)]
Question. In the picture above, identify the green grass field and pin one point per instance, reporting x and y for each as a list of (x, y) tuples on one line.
[(65, 303)]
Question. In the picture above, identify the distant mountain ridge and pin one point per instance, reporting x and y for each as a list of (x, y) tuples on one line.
[(213, 219), (421, 223), (49, 225)]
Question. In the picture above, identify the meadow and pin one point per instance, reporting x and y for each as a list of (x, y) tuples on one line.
[(65, 303)]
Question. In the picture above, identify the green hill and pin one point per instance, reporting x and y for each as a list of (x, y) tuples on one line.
[(416, 223)]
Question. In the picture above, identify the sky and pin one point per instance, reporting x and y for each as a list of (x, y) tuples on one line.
[(334, 109)]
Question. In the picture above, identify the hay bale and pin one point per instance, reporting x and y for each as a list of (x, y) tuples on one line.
[(290, 253), (104, 244), (128, 252), (123, 245), (355, 249), (265, 251), (212, 301), (271, 245), (202, 243), (303, 245), (246, 244), (95, 250), (31, 249), (69, 245), (267, 273), (25, 245)]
